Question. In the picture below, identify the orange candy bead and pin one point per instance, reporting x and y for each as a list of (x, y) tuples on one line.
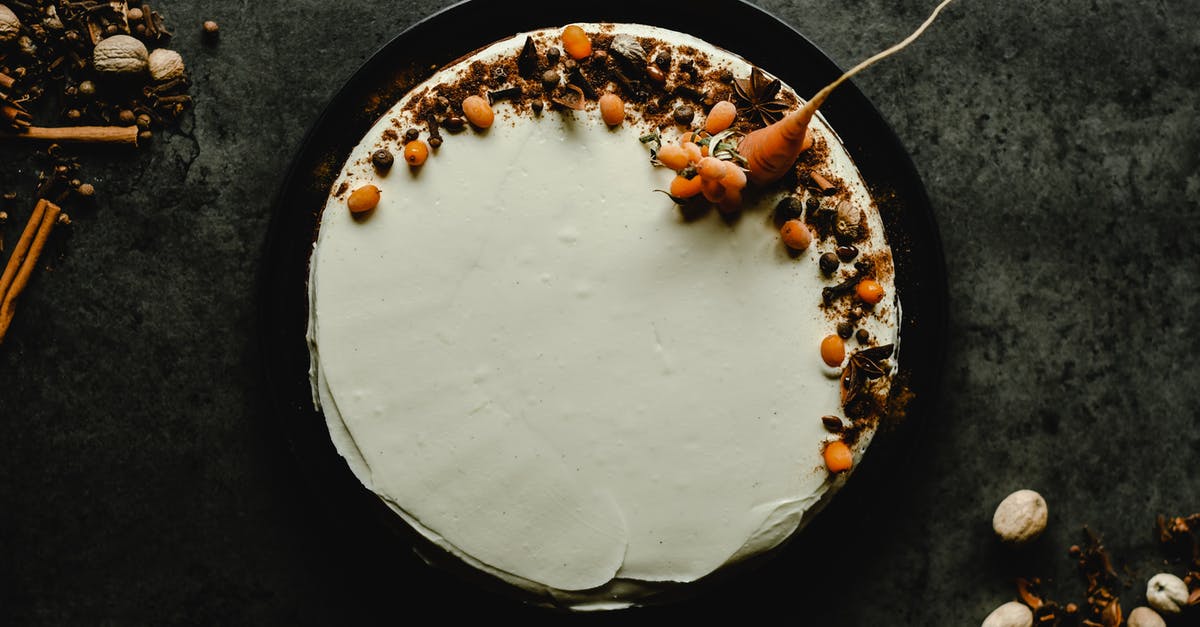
[(869, 290), (415, 152), (833, 350), (612, 109), (576, 42), (838, 457), (479, 113), (363, 199), (796, 235)]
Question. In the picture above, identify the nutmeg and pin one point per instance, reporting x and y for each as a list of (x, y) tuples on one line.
[(848, 223), (120, 54), (1020, 517), (10, 26), (165, 65), (1011, 614)]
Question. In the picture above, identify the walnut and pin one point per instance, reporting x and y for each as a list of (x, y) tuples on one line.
[(1167, 593), (1145, 617), (1020, 517), (10, 26), (1011, 614), (165, 65), (120, 54)]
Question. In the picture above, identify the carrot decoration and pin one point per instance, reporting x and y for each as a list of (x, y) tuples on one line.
[(771, 151)]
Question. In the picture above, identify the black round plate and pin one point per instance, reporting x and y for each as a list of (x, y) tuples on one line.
[(373, 540)]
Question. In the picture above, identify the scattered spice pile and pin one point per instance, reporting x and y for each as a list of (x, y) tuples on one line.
[(1171, 599), (85, 71)]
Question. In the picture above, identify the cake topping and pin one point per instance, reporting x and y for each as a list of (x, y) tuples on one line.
[(833, 350), (758, 97), (576, 42), (415, 152), (479, 113), (869, 291), (838, 457), (612, 109), (363, 199), (720, 117)]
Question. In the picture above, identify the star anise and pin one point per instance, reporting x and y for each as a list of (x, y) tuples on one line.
[(863, 365), (758, 97)]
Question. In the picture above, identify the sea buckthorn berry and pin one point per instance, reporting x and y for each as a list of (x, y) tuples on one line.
[(838, 457), (688, 136), (576, 42), (833, 350), (693, 152), (869, 291), (720, 117), (479, 113), (731, 202), (612, 109), (674, 157), (685, 188), (711, 168), (796, 235), (415, 152), (735, 177), (363, 199), (712, 189)]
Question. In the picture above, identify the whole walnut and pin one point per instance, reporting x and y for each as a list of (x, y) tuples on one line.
[(1167, 593), (120, 54), (1145, 617), (165, 65), (1020, 517), (10, 26), (1011, 614)]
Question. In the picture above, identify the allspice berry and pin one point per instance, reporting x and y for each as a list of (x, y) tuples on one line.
[(1020, 517), (211, 29)]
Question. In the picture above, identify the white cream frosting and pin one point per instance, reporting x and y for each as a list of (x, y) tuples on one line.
[(530, 356)]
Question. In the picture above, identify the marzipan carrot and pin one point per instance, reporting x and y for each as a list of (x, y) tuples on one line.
[(771, 151)]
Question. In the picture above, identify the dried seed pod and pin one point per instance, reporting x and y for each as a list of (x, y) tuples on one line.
[(629, 51), (1011, 614), (1145, 617), (165, 65), (1020, 517), (1167, 593), (120, 54), (849, 220), (10, 26)]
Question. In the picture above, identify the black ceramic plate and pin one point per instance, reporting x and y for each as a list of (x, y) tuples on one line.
[(374, 540)]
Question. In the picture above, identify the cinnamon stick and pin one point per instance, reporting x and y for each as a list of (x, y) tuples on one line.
[(24, 259), (822, 184), (6, 81), (79, 134)]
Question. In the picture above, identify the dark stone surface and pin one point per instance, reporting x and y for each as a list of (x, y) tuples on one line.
[(141, 482)]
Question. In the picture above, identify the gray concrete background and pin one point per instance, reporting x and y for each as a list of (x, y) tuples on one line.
[(1059, 143)]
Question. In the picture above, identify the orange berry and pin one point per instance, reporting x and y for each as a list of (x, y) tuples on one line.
[(838, 457), (612, 109), (711, 168), (731, 202), (693, 152), (735, 177), (479, 113), (870, 291), (712, 189), (833, 350), (685, 188), (688, 137), (796, 235), (363, 199), (576, 42), (674, 157), (415, 152), (720, 117)]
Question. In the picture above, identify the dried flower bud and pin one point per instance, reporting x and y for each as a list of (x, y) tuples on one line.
[(1020, 517), (1167, 593), (10, 26), (120, 54), (1145, 617), (165, 65), (1011, 614)]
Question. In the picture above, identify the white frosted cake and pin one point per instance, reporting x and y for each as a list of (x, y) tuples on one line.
[(557, 373)]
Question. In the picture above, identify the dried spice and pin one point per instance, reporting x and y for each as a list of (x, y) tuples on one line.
[(758, 98), (864, 365)]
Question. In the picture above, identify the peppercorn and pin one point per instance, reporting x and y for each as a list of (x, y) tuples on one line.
[(829, 263), (725, 76), (684, 115), (133, 14), (145, 136), (3, 217), (143, 121), (74, 115), (553, 54), (862, 336), (663, 59), (111, 30), (443, 103), (536, 105), (382, 159), (847, 253), (211, 30), (86, 190), (435, 141), (87, 88), (411, 135), (126, 117), (845, 329), (550, 77)]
